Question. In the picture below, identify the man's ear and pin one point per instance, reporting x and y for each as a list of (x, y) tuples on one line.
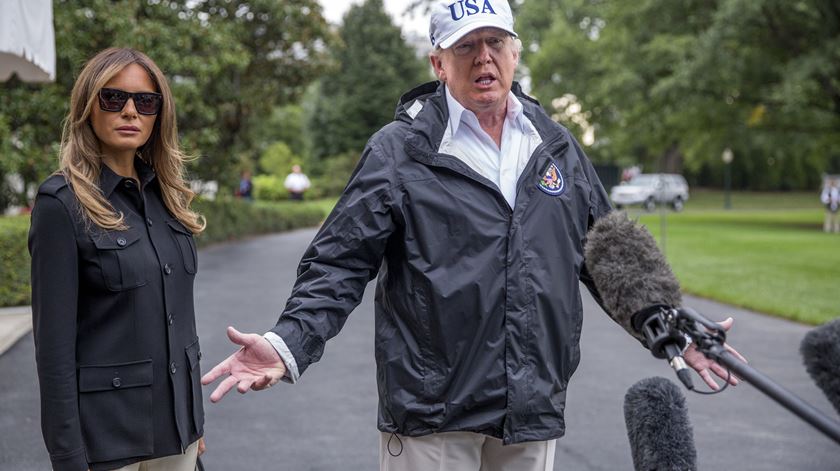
[(437, 65)]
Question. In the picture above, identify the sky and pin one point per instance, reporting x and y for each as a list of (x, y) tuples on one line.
[(335, 9)]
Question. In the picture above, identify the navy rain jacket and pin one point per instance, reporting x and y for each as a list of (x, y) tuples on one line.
[(478, 308)]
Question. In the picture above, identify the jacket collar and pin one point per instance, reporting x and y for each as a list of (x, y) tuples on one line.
[(457, 110), (426, 109)]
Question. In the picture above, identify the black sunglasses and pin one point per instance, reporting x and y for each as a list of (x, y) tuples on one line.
[(114, 100)]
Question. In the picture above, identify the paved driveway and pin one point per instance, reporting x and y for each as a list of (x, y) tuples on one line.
[(328, 420)]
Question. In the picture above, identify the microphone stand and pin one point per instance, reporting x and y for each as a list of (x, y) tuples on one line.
[(709, 339)]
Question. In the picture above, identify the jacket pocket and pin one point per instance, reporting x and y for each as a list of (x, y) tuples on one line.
[(115, 410), (193, 352), (184, 238), (120, 259)]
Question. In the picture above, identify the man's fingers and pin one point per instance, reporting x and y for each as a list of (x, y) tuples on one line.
[(735, 352), (236, 336), (262, 383), (223, 388), (217, 371), (707, 378), (727, 323), (723, 373), (244, 385)]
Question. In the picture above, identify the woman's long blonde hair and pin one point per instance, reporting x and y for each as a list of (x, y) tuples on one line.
[(80, 158)]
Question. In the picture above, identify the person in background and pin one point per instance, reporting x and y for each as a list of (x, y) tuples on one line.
[(113, 266), (830, 197), (246, 187), (472, 207), (296, 183)]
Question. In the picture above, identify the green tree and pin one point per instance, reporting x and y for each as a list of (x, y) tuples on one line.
[(673, 82), (278, 159), (229, 63), (286, 43), (374, 66)]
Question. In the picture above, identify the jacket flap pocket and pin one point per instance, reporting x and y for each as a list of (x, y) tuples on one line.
[(115, 240), (177, 226), (193, 354), (118, 376)]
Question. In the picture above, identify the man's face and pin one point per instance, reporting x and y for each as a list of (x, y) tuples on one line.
[(478, 69)]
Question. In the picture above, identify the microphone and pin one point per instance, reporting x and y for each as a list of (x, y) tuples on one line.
[(636, 285), (660, 433), (820, 350)]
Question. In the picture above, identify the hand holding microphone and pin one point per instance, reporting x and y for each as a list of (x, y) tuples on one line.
[(639, 292)]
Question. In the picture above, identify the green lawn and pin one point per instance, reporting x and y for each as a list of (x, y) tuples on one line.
[(771, 256)]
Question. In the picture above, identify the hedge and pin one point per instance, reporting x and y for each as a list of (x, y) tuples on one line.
[(14, 261), (230, 219), (226, 220)]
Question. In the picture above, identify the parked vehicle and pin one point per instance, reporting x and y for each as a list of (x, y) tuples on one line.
[(651, 189)]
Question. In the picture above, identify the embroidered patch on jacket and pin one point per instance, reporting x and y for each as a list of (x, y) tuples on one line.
[(552, 181)]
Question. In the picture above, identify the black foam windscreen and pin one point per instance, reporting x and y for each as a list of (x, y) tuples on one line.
[(660, 433), (628, 269), (820, 350)]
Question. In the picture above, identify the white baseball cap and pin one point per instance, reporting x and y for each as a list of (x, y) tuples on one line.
[(454, 19)]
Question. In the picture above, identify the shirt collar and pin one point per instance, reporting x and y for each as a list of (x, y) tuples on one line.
[(108, 179), (456, 110)]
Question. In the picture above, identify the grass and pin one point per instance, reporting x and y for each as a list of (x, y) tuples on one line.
[(767, 254)]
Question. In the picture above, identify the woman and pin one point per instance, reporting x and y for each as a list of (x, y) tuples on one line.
[(113, 265)]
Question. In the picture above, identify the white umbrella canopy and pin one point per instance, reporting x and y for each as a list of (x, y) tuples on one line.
[(27, 40)]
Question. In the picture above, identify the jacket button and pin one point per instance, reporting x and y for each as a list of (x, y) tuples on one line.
[(170, 318), (149, 221), (173, 368), (199, 355), (121, 241), (116, 382), (167, 269)]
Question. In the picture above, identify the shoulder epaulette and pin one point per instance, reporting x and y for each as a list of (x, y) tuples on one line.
[(53, 184)]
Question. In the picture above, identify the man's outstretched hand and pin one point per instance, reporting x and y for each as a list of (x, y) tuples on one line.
[(256, 365)]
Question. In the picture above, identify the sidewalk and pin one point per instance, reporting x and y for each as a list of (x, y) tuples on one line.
[(15, 322)]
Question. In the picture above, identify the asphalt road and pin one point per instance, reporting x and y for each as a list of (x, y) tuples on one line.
[(328, 420)]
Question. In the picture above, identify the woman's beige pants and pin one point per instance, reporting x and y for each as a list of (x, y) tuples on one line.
[(185, 462)]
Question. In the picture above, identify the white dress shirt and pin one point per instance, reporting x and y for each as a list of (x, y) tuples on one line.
[(465, 139)]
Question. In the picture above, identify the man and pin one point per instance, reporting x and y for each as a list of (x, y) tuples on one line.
[(296, 183), (473, 207), (830, 197)]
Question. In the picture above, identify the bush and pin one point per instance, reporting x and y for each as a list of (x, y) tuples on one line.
[(230, 219), (14, 261), (333, 174), (270, 188), (227, 219)]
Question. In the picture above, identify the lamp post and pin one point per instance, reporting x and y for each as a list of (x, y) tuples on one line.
[(727, 158)]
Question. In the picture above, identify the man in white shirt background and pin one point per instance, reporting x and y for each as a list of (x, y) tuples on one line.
[(296, 183)]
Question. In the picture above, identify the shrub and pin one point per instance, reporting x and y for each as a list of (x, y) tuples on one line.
[(270, 188), (14, 261), (229, 219)]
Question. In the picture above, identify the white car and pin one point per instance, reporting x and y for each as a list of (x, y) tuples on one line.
[(651, 189)]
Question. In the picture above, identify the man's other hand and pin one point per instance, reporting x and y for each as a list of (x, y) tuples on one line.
[(256, 365)]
